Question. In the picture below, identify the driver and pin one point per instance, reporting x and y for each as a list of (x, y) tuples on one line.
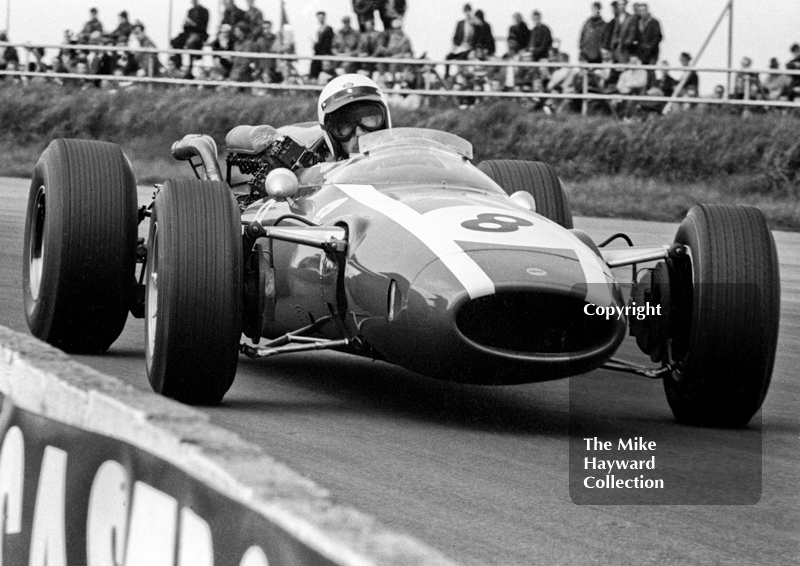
[(350, 106)]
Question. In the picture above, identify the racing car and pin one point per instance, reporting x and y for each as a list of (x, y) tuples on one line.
[(405, 252)]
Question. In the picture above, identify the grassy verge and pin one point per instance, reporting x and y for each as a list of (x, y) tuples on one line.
[(651, 170)]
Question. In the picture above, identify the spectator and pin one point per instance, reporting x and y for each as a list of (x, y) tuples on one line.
[(620, 32), (391, 10), (690, 79), (541, 38), (285, 44), (128, 63), (717, 109), (223, 42), (268, 41), (665, 83), (794, 65), (104, 62), (81, 68), (37, 66), (776, 85), (254, 17), (124, 28), (746, 83), (345, 44), (398, 46), (539, 103), (259, 43), (194, 35), (483, 38), (632, 80), (172, 71), (519, 36), (462, 38), (365, 12), (323, 45), (591, 39), (563, 80), (232, 14), (368, 43), (90, 27), (648, 35), (148, 62), (9, 54), (606, 78), (242, 70)]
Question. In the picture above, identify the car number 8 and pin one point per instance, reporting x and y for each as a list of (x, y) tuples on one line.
[(489, 222)]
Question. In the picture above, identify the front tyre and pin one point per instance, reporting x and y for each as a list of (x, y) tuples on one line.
[(79, 254), (540, 180), (723, 344), (193, 296)]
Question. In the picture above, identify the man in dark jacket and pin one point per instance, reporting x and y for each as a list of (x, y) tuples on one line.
[(233, 14), (518, 34), (592, 36), (194, 34), (365, 12), (323, 45), (620, 32), (483, 38), (90, 27), (463, 39), (647, 35), (124, 28), (541, 38)]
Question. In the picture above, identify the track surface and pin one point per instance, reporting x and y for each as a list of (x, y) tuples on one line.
[(482, 473)]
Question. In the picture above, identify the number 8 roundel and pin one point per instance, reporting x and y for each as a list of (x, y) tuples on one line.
[(490, 222)]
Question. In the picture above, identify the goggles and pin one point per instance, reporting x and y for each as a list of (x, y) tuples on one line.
[(343, 124)]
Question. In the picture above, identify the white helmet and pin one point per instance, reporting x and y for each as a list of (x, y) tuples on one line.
[(343, 91)]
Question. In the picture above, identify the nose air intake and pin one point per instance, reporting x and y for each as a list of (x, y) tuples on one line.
[(533, 323)]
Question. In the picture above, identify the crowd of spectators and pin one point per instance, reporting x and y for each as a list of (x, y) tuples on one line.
[(627, 38)]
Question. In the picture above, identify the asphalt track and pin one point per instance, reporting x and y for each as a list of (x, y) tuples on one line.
[(482, 473)]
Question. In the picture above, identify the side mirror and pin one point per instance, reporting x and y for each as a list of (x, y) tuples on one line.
[(281, 184)]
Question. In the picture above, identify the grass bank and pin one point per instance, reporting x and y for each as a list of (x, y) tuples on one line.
[(651, 170)]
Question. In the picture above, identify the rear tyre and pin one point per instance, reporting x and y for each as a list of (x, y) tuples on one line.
[(723, 345), (540, 180), (79, 252), (193, 298)]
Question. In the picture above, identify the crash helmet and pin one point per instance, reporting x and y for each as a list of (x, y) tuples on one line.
[(348, 101)]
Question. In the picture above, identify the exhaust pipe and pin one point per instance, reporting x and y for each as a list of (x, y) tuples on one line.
[(202, 146)]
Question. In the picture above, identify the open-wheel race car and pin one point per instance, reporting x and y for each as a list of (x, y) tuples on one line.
[(405, 252)]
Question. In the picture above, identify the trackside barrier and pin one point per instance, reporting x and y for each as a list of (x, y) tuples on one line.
[(584, 95), (96, 472)]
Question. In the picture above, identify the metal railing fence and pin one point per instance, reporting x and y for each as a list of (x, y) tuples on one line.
[(424, 65)]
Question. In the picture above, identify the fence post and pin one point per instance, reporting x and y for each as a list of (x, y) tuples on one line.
[(585, 91)]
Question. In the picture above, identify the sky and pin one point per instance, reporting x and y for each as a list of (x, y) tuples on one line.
[(762, 28)]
